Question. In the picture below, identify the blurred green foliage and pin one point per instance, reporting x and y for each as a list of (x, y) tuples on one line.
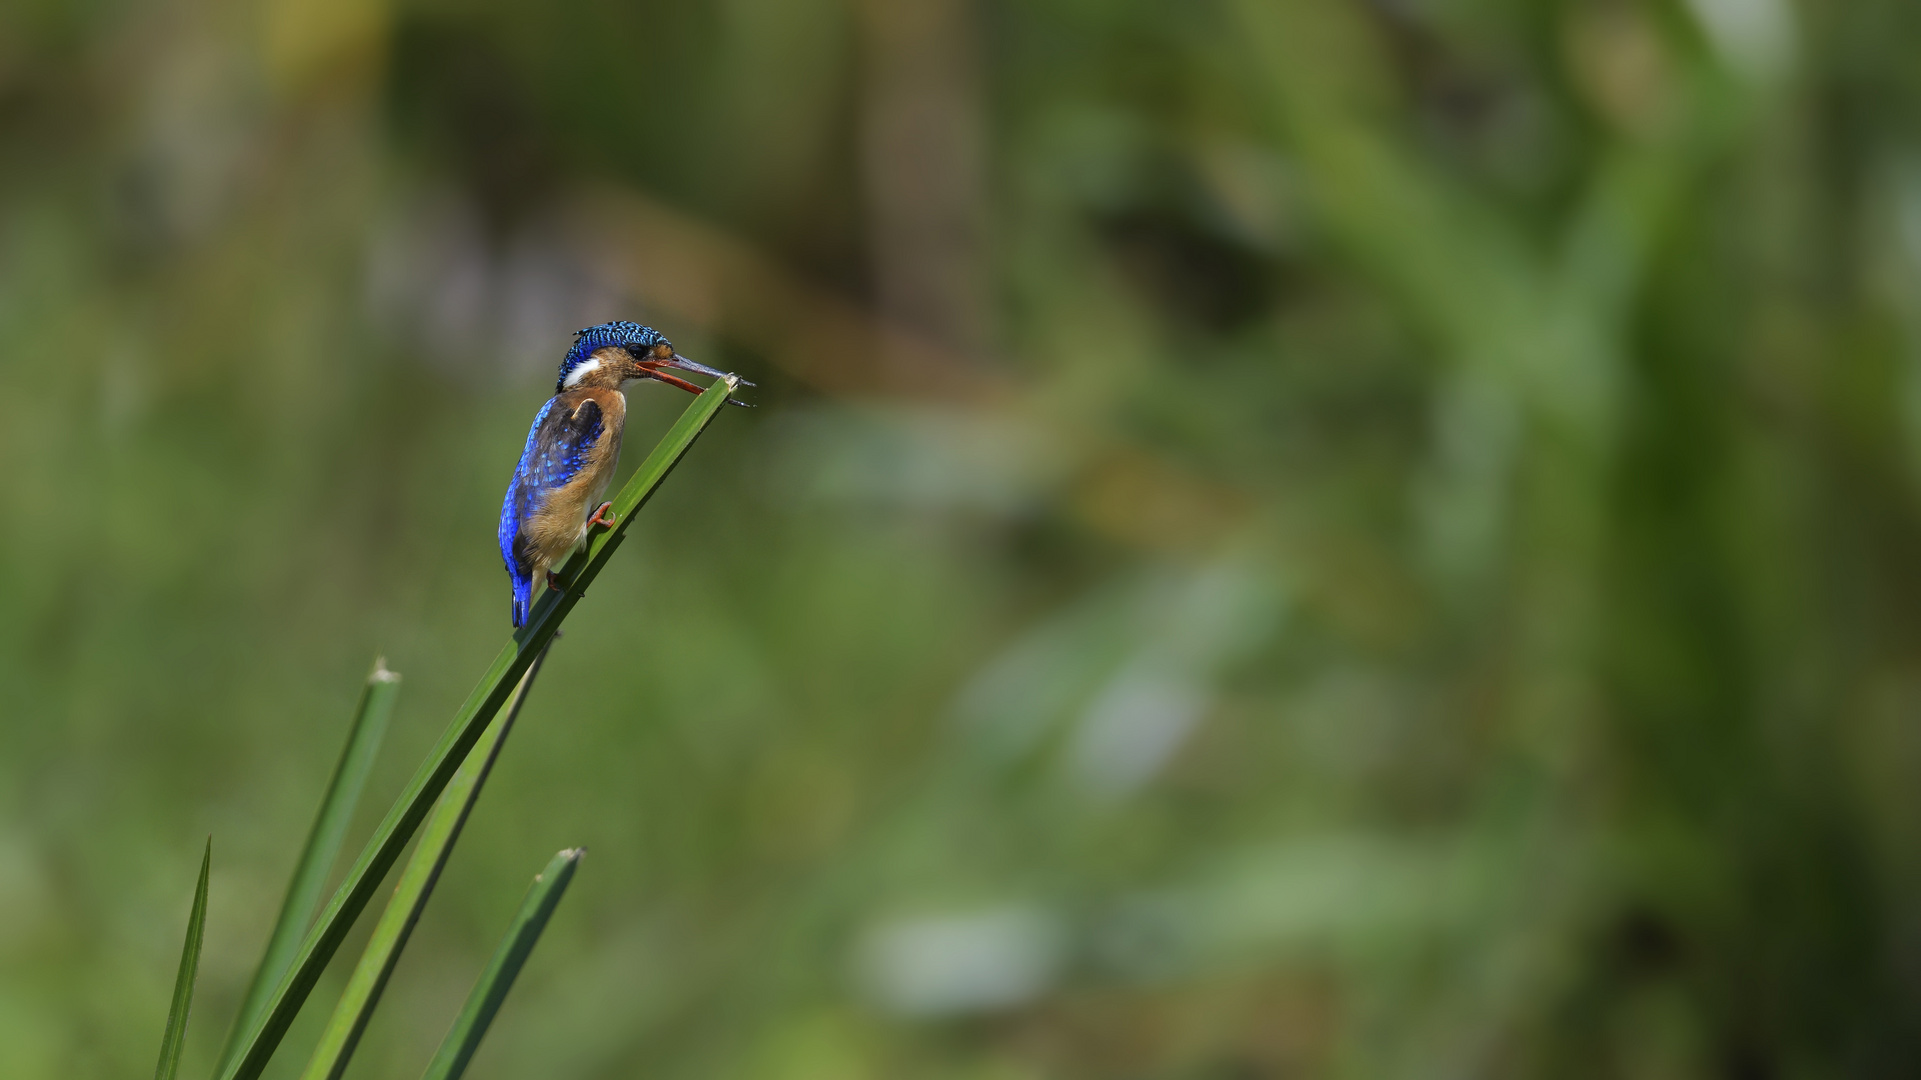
[(1282, 537)]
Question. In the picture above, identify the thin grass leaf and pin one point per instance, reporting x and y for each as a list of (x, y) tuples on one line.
[(457, 1049), (384, 847), (364, 736), (417, 878), (175, 1038)]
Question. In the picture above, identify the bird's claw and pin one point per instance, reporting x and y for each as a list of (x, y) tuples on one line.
[(554, 582), (603, 516)]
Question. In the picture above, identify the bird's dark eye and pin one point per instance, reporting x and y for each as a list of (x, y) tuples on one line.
[(664, 351)]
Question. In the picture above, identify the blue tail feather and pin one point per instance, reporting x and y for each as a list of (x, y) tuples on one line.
[(523, 600)]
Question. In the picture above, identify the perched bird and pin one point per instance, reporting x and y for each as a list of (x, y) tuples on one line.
[(554, 497)]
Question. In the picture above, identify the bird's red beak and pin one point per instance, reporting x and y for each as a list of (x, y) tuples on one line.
[(655, 369)]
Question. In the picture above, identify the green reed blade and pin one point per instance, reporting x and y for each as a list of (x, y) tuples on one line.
[(384, 847), (175, 1038), (304, 890), (471, 1026), (417, 878)]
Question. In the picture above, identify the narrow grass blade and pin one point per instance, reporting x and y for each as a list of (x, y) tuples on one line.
[(309, 882), (459, 1046), (384, 847), (175, 1038), (417, 878)]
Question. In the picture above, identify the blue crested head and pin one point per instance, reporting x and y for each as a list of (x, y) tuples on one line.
[(636, 339)]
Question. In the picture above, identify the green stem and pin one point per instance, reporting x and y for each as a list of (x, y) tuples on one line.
[(457, 1049), (417, 878), (175, 1037), (309, 881), (391, 836)]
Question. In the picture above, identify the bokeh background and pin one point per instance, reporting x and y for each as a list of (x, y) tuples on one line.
[(1280, 538)]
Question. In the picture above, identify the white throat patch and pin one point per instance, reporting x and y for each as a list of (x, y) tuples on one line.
[(581, 372)]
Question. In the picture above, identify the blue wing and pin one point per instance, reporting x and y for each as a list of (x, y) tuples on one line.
[(557, 449)]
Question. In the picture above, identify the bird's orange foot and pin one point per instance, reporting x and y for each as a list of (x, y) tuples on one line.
[(603, 516), (554, 582)]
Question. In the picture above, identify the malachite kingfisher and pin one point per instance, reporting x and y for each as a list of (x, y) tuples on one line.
[(554, 498)]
